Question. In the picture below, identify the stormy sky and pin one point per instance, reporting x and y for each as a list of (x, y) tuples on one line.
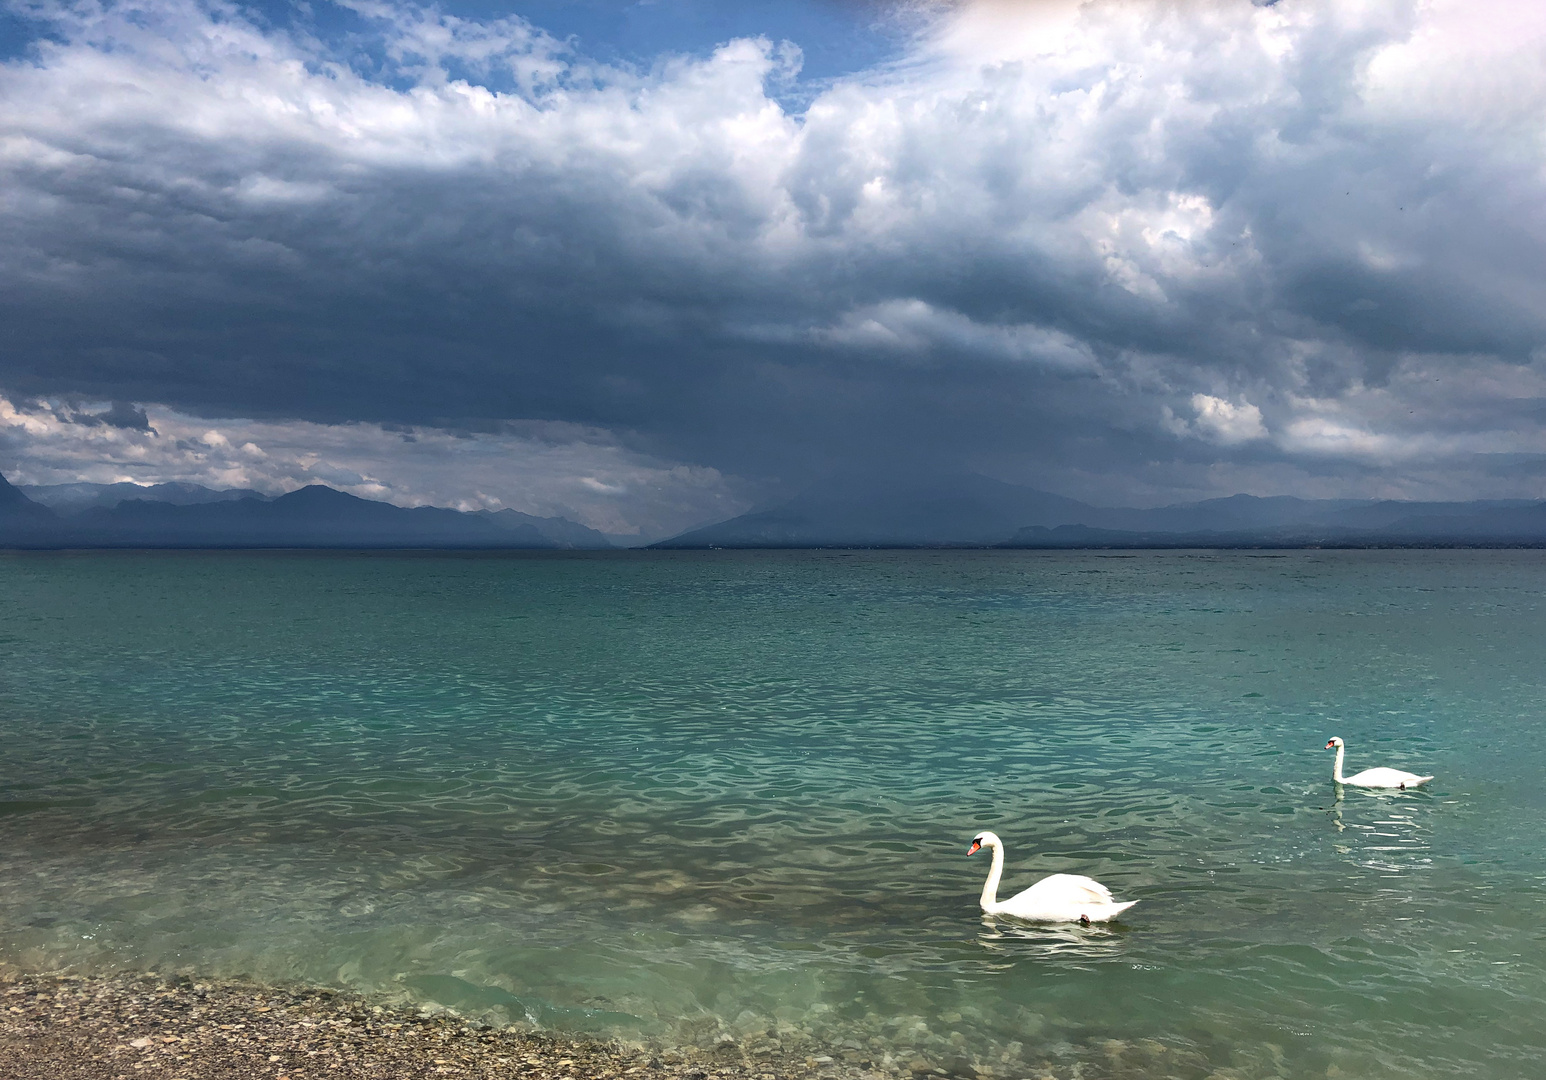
[(646, 264)]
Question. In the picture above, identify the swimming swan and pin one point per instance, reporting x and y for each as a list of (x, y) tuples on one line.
[(1059, 898), (1375, 778)]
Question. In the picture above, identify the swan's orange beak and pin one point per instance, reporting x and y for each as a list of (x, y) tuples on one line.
[(974, 849)]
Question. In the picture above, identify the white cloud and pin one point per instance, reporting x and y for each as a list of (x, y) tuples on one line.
[(917, 327), (542, 469), (1219, 420)]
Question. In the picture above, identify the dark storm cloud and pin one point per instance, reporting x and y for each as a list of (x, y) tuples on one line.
[(120, 414), (1128, 249)]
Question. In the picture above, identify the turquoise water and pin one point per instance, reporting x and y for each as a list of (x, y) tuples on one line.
[(692, 796)]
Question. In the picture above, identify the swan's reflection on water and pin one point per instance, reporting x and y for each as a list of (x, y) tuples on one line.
[(1059, 941), (1383, 830)]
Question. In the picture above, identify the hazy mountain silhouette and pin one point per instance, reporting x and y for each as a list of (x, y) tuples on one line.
[(312, 517), (1251, 513), (77, 498), (927, 511), (1248, 521), (973, 511), (560, 530), (18, 511)]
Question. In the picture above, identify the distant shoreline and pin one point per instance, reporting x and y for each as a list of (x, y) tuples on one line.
[(965, 512), (588, 553)]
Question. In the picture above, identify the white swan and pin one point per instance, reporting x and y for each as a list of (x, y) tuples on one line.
[(1059, 898), (1375, 778)]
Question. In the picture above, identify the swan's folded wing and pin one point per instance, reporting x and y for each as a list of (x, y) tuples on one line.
[(1383, 777), (1070, 889)]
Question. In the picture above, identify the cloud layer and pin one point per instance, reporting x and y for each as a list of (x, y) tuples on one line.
[(542, 469), (1129, 251)]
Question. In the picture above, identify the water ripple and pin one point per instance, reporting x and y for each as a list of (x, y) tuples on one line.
[(681, 795)]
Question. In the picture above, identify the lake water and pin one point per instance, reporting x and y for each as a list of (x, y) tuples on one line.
[(686, 796)]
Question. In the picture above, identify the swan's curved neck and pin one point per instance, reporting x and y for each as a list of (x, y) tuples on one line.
[(1336, 770), (990, 887)]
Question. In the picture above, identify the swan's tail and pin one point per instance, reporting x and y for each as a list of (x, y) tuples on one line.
[(1111, 911)]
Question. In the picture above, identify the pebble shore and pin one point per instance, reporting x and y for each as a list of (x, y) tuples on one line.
[(132, 1027), (146, 1027)]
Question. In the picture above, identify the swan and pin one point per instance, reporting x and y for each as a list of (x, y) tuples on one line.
[(1059, 898), (1373, 778)]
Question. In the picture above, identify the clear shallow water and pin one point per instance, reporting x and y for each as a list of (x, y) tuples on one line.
[(672, 795)]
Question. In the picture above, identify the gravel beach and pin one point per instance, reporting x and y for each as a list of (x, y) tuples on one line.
[(127, 1027)]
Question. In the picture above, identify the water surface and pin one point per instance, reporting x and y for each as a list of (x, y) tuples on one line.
[(678, 796)]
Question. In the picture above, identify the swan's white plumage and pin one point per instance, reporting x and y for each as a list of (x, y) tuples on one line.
[(1372, 778), (1058, 898)]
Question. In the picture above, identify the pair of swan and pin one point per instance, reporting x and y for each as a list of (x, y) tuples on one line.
[(1074, 898)]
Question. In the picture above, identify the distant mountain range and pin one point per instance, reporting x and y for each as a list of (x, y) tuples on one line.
[(74, 498), (945, 511), (190, 516), (939, 511), (974, 511)]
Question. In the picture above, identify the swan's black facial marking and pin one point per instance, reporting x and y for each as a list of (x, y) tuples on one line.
[(976, 846)]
